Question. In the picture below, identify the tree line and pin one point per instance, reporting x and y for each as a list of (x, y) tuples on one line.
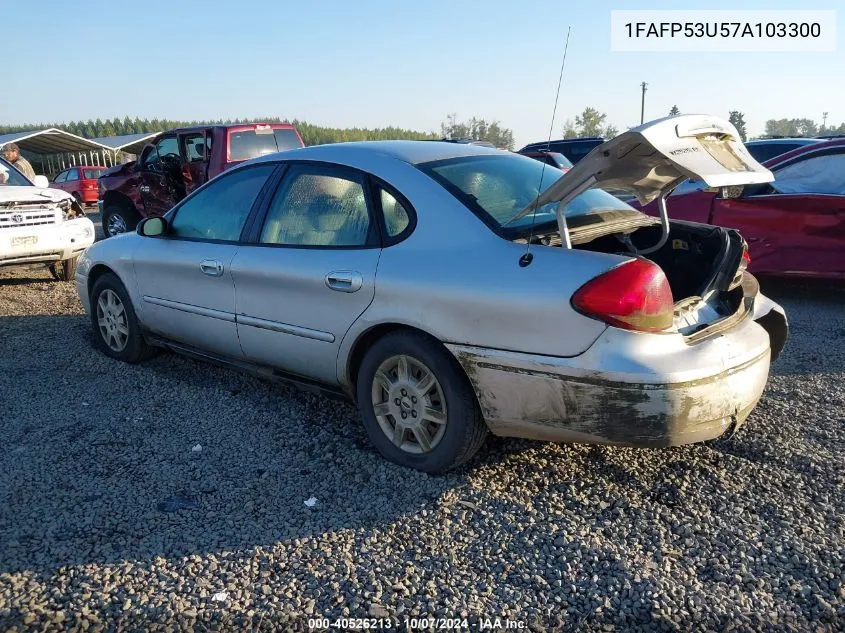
[(476, 128), (311, 134)]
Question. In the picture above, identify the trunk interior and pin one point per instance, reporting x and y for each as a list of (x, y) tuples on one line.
[(702, 264)]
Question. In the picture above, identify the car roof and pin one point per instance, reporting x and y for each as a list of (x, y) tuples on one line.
[(593, 140), (800, 140), (808, 148), (413, 152), (199, 128)]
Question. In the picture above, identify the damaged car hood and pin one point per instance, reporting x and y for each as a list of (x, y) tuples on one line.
[(657, 156), (30, 195)]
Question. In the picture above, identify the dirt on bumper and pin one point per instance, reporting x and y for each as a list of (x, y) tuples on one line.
[(536, 400)]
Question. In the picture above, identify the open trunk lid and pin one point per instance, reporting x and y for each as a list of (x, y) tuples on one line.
[(648, 162), (652, 159)]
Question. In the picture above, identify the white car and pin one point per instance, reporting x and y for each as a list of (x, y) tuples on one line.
[(40, 225)]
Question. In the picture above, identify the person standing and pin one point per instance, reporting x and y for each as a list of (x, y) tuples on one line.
[(12, 153)]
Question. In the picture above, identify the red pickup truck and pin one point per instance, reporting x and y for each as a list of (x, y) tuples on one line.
[(178, 161)]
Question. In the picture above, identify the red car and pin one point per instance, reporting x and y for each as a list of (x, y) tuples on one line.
[(555, 159), (794, 226), (178, 161), (80, 182)]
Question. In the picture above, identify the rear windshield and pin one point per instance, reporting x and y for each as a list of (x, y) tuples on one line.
[(498, 187), (246, 144), (92, 173)]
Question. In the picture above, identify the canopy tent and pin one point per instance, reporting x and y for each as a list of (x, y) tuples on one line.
[(129, 143), (51, 141), (51, 150)]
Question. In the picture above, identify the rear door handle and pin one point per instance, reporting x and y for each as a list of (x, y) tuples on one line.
[(211, 267), (344, 280)]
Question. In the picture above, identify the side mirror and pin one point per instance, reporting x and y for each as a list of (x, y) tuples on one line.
[(41, 181), (152, 227)]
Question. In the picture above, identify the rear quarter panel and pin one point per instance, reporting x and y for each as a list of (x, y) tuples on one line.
[(456, 280)]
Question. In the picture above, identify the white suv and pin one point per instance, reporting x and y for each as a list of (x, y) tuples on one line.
[(40, 225)]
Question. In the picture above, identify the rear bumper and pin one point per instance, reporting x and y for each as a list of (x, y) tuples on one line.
[(632, 389), (45, 243)]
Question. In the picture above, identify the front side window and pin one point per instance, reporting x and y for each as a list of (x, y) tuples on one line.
[(318, 207), (819, 174), (498, 187), (219, 211), (168, 146), (60, 177)]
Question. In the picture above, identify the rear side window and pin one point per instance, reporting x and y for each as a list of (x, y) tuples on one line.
[(90, 174), (318, 207), (219, 211), (72, 174), (396, 216), (820, 174)]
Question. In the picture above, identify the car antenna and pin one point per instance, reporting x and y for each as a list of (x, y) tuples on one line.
[(527, 257)]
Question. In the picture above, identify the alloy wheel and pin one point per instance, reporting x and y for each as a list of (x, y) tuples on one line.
[(111, 319), (115, 224), (409, 405)]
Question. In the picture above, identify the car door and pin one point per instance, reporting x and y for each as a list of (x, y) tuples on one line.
[(195, 148), (71, 181), (310, 273), (162, 185), (185, 277), (797, 224), (59, 180)]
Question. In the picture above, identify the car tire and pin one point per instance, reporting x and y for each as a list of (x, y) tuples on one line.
[(64, 270), (459, 431), (117, 220), (119, 334)]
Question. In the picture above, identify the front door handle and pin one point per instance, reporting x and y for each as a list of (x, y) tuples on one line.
[(345, 280), (145, 188), (211, 267)]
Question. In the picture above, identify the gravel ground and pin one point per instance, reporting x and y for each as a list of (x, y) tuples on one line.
[(113, 517)]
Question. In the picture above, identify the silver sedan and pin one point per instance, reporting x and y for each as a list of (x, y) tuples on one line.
[(453, 290)]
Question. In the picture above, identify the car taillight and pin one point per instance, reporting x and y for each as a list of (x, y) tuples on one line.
[(633, 296)]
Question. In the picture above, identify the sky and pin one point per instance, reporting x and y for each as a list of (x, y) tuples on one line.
[(375, 63)]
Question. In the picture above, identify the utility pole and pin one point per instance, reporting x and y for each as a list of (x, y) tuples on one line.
[(824, 120), (642, 108)]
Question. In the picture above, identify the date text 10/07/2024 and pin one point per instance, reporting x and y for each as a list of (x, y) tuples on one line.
[(417, 623)]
